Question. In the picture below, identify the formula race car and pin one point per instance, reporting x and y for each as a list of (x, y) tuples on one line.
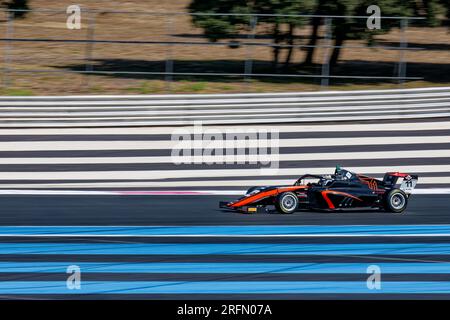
[(342, 190)]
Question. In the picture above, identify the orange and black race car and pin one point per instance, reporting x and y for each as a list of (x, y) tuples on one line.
[(341, 190)]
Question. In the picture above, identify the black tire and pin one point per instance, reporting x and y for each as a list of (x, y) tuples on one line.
[(396, 201), (286, 203)]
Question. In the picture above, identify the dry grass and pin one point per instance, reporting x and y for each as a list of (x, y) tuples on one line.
[(432, 63)]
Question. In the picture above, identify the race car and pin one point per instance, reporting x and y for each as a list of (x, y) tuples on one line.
[(341, 190)]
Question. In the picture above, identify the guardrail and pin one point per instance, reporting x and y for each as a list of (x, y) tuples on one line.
[(217, 109)]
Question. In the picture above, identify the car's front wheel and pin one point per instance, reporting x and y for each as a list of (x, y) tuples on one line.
[(286, 202), (396, 201)]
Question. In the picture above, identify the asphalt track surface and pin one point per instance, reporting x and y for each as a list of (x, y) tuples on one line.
[(195, 210), (133, 272)]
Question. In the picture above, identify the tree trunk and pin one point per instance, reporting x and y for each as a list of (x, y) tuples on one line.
[(312, 41), (340, 36), (276, 50), (316, 21), (291, 43)]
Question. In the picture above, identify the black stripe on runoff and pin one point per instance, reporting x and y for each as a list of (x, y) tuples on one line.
[(211, 179), (370, 259), (167, 152), (169, 166), (187, 277), (37, 239)]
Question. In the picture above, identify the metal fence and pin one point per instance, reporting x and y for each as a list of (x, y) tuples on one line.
[(12, 42)]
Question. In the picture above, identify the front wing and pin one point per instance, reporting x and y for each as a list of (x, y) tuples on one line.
[(246, 209)]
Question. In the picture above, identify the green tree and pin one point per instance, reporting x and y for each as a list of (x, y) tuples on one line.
[(330, 8), (432, 10), (217, 27), (353, 28), (280, 37), (356, 28), (282, 28), (17, 5)]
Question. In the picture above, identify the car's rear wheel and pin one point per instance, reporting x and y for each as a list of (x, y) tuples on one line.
[(286, 202), (396, 201)]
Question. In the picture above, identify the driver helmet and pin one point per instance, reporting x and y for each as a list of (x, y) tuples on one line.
[(339, 174)]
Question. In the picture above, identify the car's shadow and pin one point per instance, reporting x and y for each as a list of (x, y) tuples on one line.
[(305, 211)]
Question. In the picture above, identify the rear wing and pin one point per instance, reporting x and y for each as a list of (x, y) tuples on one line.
[(407, 181)]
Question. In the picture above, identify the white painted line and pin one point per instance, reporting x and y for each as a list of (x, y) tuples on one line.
[(165, 192), (55, 192), (432, 191)]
